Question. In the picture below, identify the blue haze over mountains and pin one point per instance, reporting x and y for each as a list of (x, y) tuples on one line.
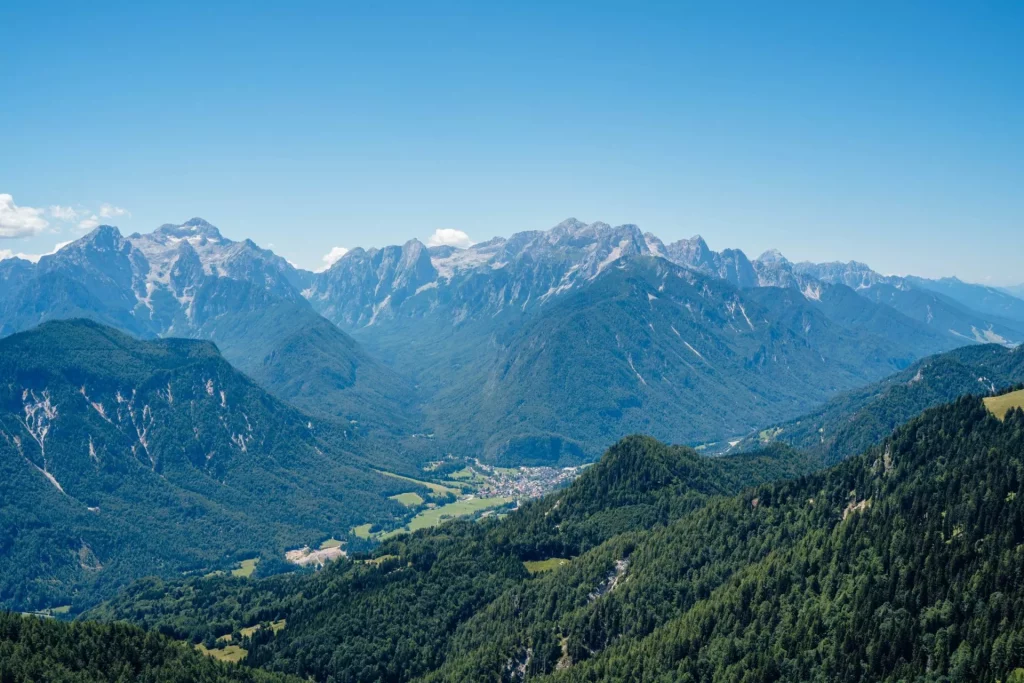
[(562, 340)]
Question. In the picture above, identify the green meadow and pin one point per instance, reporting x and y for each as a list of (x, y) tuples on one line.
[(409, 500), (436, 489), (460, 508), (1000, 405), (538, 566), (246, 568)]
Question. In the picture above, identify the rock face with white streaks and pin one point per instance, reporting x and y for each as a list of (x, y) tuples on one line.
[(100, 432)]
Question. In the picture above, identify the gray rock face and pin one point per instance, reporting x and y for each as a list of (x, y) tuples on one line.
[(368, 287), (731, 266), (855, 275)]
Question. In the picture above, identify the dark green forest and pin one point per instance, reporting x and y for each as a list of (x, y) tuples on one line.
[(903, 563), (33, 650)]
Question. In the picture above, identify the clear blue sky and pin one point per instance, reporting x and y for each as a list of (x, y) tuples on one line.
[(888, 132)]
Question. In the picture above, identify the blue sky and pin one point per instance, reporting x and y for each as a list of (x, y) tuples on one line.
[(891, 133)]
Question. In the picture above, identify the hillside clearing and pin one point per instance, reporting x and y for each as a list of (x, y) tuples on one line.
[(539, 566), (460, 508), (1000, 405), (409, 500), (436, 489), (246, 568), (362, 531), (232, 653)]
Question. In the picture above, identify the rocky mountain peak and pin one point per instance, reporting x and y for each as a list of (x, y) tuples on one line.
[(102, 238), (853, 274), (194, 228), (693, 252), (772, 256)]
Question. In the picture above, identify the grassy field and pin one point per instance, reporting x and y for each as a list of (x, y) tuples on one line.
[(466, 474), (247, 632), (246, 568), (231, 653), (437, 489), (275, 626), (1000, 405), (538, 566), (330, 543), (409, 500), (362, 531), (460, 508)]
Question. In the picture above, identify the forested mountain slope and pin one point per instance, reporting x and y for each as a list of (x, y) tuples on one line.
[(393, 619), (651, 347), (34, 650), (898, 564), (853, 421), (99, 431)]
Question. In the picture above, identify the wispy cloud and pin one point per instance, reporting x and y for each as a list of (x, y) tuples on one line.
[(111, 211), (332, 257), (449, 237), (89, 223), (19, 221), (63, 213)]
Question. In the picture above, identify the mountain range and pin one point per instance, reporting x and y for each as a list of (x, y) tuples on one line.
[(396, 342)]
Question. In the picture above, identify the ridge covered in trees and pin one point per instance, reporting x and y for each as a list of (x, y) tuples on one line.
[(902, 563), (34, 649)]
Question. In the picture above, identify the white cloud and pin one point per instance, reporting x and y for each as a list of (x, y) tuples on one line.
[(7, 253), (89, 223), (449, 237), (111, 211), (64, 213), (332, 257), (19, 221)]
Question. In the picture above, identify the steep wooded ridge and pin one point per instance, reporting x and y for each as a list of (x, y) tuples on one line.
[(121, 458), (34, 649), (899, 564), (398, 341), (853, 421)]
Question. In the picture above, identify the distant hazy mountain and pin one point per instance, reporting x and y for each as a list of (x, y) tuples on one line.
[(528, 270), (99, 431), (987, 300), (927, 301), (1015, 290)]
